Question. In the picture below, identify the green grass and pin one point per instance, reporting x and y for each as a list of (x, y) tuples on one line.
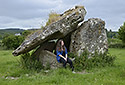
[(9, 67)]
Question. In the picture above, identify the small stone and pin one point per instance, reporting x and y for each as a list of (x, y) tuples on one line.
[(27, 74), (12, 78), (46, 71), (6, 78)]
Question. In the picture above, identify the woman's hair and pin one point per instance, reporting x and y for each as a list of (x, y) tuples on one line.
[(59, 46)]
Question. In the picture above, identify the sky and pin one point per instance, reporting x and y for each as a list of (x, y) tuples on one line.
[(34, 13)]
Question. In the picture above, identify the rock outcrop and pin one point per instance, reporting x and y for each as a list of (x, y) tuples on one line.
[(91, 36), (66, 24), (77, 35)]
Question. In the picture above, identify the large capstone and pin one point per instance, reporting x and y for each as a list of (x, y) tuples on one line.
[(90, 36), (67, 23)]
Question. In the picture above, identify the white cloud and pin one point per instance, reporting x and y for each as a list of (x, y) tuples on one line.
[(31, 13), (29, 23), (109, 10)]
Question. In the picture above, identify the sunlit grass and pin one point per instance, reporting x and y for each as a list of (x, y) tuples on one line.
[(9, 67)]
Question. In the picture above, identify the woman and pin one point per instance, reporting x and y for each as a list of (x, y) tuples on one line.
[(61, 53)]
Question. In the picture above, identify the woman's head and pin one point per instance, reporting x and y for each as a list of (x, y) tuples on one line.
[(60, 45)]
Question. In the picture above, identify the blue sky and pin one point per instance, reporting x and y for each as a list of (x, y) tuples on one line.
[(34, 13)]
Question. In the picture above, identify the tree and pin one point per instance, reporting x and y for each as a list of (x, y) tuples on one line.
[(121, 33), (110, 33), (0, 37), (26, 33), (12, 41)]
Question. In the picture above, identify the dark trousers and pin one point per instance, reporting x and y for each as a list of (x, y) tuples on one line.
[(65, 62)]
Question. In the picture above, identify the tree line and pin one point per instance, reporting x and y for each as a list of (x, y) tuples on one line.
[(11, 41)]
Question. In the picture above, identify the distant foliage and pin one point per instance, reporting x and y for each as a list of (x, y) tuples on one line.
[(4, 32), (0, 43), (97, 60), (115, 43), (26, 33), (12, 41), (121, 33), (53, 16), (111, 34), (0, 37)]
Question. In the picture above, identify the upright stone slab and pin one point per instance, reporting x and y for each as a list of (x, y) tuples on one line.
[(66, 24), (91, 36), (48, 59)]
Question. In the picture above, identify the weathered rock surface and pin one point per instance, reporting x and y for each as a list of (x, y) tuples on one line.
[(91, 35), (48, 59), (67, 23)]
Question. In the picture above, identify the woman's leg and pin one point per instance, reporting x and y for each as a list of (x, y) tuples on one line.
[(63, 61), (71, 64)]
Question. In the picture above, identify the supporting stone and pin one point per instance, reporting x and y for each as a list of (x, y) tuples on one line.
[(91, 36)]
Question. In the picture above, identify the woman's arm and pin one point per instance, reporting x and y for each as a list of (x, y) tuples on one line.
[(66, 53), (66, 56), (63, 57), (58, 53)]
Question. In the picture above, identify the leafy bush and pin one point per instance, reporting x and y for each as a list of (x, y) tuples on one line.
[(97, 60), (80, 63), (30, 62)]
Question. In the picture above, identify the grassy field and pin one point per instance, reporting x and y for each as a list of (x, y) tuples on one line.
[(12, 74)]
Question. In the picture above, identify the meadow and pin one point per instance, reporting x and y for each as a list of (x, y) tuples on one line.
[(11, 73)]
